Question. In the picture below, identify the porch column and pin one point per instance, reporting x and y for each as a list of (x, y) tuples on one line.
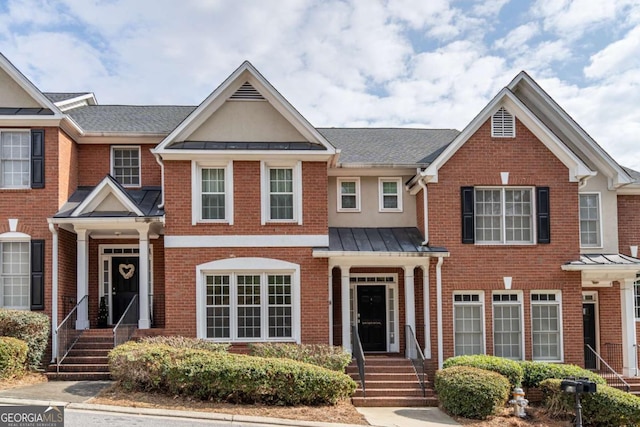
[(144, 321), (82, 278), (345, 305), (629, 357), (409, 301), (330, 304)]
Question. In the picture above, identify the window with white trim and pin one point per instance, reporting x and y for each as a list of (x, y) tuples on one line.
[(390, 194), (636, 289), (590, 233), (504, 215), (249, 306), (348, 194), (507, 325), (282, 193), (15, 159), (212, 192), (468, 320), (503, 124), (125, 165), (546, 319), (15, 275)]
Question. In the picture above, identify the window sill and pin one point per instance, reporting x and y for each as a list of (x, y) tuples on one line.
[(282, 221), (487, 244), (250, 340), (349, 210), (390, 210), (212, 221), (16, 189)]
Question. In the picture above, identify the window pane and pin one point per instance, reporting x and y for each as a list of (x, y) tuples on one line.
[(280, 306), (468, 329), (589, 220), (126, 166), (15, 158), (281, 206), (213, 194), (348, 202), (249, 306), (507, 334), (281, 197), (15, 274), (217, 306), (488, 214), (518, 221), (545, 330)]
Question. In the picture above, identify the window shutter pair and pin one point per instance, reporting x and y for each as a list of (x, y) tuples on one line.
[(37, 158), (37, 275), (542, 215)]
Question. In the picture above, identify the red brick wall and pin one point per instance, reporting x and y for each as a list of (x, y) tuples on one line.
[(533, 267), (610, 319), (67, 272), (95, 164), (180, 299), (628, 222), (247, 200)]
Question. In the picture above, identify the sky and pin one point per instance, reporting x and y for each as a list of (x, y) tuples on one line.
[(358, 63)]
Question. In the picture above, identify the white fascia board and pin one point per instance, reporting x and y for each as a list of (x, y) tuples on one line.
[(247, 241), (629, 190), (27, 120), (219, 155), (103, 223), (89, 97), (621, 268), (376, 255), (100, 193), (120, 138)]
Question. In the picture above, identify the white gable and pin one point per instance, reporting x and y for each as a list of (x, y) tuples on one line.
[(13, 95), (106, 197)]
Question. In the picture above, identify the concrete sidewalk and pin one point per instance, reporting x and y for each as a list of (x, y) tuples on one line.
[(75, 394)]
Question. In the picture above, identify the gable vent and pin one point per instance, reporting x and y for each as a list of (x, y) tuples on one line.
[(503, 124), (245, 92)]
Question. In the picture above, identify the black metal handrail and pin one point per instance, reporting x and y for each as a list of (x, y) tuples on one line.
[(414, 353), (358, 354), (127, 324), (613, 378), (67, 334)]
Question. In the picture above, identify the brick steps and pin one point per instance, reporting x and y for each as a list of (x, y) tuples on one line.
[(87, 360), (390, 381)]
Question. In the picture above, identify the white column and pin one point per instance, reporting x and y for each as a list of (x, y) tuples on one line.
[(409, 302), (427, 310), (144, 321), (345, 305), (82, 277), (54, 291), (330, 304), (629, 358), (439, 311)]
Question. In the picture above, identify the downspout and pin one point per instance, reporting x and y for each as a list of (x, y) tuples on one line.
[(159, 160), (425, 208), (54, 291), (427, 311), (439, 310)]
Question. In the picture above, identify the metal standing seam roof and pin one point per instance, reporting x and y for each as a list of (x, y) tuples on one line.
[(605, 259), (146, 199), (387, 239)]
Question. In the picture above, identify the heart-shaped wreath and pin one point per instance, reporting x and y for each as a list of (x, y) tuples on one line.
[(127, 270)]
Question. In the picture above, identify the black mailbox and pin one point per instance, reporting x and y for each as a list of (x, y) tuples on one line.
[(578, 385)]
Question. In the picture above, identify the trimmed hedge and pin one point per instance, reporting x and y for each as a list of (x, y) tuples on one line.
[(506, 367), (13, 357), (608, 407), (222, 376), (185, 342), (536, 372), (30, 327), (471, 392), (323, 355)]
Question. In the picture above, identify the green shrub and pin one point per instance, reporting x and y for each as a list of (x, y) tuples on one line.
[(506, 367), (225, 377), (13, 357), (327, 356), (184, 342), (536, 372), (471, 392), (608, 407), (30, 327)]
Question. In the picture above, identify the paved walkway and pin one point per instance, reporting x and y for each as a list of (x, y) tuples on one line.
[(75, 394)]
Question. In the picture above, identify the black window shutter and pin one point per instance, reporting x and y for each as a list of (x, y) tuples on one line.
[(37, 158), (37, 275), (544, 223), (468, 228)]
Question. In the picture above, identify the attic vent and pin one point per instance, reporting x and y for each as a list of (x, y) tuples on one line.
[(503, 124), (246, 91)]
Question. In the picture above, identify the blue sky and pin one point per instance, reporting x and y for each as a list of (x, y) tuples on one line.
[(416, 63)]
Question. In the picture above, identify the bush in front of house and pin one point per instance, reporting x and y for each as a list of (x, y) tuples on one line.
[(185, 342), (13, 357), (323, 355), (506, 367), (536, 372), (30, 327), (223, 376), (471, 392), (607, 407)]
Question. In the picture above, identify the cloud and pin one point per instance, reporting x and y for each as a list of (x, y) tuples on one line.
[(617, 57)]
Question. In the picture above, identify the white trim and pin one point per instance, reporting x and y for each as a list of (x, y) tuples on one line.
[(600, 222), (398, 182), (520, 303), (238, 266), (513, 124), (99, 193), (265, 192), (248, 241), (54, 290), (558, 303), (15, 236), (113, 172), (595, 302), (196, 192), (28, 160), (6, 238), (483, 316), (339, 182)]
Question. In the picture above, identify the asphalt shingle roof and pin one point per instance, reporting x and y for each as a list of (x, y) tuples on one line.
[(633, 174), (63, 96), (388, 146), (155, 119)]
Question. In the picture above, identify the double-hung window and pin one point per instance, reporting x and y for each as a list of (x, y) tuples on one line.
[(282, 193), (125, 165), (546, 326), (15, 159), (468, 323), (15, 274), (636, 289), (504, 215), (212, 193), (348, 194), (590, 232), (390, 194), (507, 325)]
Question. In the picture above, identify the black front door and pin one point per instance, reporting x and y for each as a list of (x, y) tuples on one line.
[(372, 318), (589, 326), (124, 284)]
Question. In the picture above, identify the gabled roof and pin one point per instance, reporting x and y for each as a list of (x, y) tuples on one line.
[(64, 96), (246, 73), (138, 119)]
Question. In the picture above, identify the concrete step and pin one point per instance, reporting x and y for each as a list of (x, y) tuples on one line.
[(93, 345), (86, 360), (390, 392), (78, 376), (89, 352), (391, 384), (394, 401), (77, 367), (387, 377), (384, 361), (378, 369)]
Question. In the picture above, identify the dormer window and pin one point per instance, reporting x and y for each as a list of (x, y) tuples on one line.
[(503, 124)]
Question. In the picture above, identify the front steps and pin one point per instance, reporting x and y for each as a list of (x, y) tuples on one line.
[(87, 360), (634, 384), (390, 382)]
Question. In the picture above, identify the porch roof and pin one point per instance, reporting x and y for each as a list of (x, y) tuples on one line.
[(392, 241), (146, 199), (599, 261)]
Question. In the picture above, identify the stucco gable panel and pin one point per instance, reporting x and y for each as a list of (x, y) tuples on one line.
[(12, 95)]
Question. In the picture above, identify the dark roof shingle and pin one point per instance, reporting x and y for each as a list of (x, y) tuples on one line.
[(156, 119)]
